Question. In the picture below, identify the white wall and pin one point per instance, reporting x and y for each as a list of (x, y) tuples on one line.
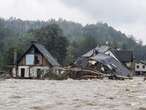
[(26, 71), (33, 70), (14, 72), (140, 67)]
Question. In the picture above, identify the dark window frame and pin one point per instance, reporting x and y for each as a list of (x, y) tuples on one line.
[(137, 66)]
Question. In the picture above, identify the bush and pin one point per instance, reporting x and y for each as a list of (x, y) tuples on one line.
[(54, 76)]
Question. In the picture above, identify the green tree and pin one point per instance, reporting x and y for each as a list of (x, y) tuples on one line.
[(71, 55), (54, 40)]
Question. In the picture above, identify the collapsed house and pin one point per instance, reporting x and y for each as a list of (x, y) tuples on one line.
[(106, 60), (34, 63)]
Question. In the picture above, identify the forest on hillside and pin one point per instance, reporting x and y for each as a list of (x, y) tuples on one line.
[(65, 40)]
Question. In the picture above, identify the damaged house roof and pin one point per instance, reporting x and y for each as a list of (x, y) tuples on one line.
[(101, 49), (111, 63), (123, 55), (98, 54)]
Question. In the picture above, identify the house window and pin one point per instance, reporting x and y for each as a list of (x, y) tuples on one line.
[(143, 66), (36, 59), (30, 59), (137, 66)]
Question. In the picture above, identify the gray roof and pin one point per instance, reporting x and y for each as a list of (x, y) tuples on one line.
[(83, 62), (46, 54), (101, 49), (111, 63), (98, 54), (123, 55), (140, 61)]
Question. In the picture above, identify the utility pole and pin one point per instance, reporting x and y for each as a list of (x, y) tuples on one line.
[(14, 72)]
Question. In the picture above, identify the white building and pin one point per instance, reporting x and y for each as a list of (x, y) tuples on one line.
[(34, 63), (140, 67)]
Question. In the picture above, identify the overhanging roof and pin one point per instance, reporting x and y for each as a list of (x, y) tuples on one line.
[(44, 52)]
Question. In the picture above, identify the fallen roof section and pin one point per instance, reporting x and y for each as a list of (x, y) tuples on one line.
[(101, 49), (123, 55), (112, 63)]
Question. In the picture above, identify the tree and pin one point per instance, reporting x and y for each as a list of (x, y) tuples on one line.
[(53, 39), (71, 55), (86, 44), (80, 47)]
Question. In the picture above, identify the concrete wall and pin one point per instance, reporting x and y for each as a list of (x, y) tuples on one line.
[(31, 71), (14, 72), (26, 75), (142, 67)]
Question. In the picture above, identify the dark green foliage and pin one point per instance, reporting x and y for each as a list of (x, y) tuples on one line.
[(78, 48), (16, 34), (53, 39), (53, 76), (6, 43)]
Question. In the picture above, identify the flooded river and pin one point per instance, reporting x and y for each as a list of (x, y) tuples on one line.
[(73, 95)]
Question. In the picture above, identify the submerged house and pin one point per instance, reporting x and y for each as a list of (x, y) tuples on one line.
[(34, 63), (106, 60)]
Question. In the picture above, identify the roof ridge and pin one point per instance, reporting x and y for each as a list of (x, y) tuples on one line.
[(47, 54)]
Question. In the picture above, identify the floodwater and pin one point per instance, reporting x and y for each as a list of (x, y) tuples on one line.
[(73, 95)]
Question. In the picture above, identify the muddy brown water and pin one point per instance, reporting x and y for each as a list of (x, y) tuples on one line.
[(73, 95)]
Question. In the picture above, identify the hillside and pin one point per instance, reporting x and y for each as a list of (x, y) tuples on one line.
[(101, 31), (81, 38)]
